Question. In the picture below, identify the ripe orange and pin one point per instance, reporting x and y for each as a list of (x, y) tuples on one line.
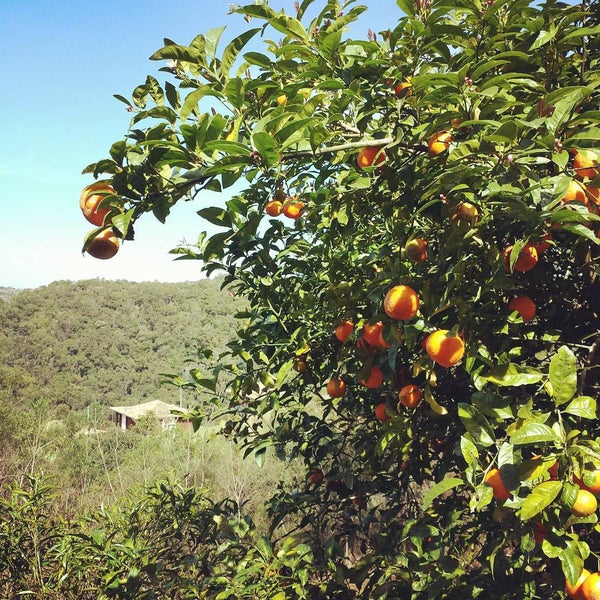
[(590, 588), (410, 395), (574, 591), (525, 306), (586, 163), (585, 504), (381, 341), (91, 197), (494, 479), (336, 388), (344, 330), (439, 142), (300, 364), (403, 90), (316, 476), (416, 250), (273, 208), (527, 259), (446, 350), (375, 378), (293, 208), (575, 193), (542, 243), (593, 194), (381, 412), (372, 333), (104, 245), (370, 156), (401, 302)]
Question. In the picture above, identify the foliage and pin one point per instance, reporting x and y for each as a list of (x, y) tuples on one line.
[(403, 510)]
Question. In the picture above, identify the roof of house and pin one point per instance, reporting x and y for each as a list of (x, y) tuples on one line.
[(156, 408)]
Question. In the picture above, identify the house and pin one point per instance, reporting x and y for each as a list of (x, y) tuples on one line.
[(167, 414)]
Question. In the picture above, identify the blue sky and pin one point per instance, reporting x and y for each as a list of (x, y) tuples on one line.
[(62, 61)]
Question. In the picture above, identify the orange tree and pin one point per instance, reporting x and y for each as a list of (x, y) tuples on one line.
[(469, 492)]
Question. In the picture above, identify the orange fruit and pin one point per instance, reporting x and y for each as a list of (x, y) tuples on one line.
[(591, 482), (439, 142), (375, 378), (293, 208), (381, 341), (494, 479), (273, 208), (445, 349), (585, 504), (90, 199), (403, 90), (465, 212), (416, 250), (372, 333), (525, 306), (344, 330), (586, 163), (370, 156), (527, 259), (336, 388), (593, 194), (104, 245), (542, 243), (574, 591), (590, 588), (410, 395), (575, 193), (300, 364), (316, 476), (281, 100), (401, 303), (381, 412)]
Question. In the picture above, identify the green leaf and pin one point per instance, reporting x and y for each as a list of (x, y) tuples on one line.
[(260, 60), (265, 146), (234, 47), (513, 375), (543, 38), (533, 433), (190, 103), (407, 7), (122, 221), (438, 489), (541, 496), (583, 406), (563, 375), (476, 424), (469, 451), (215, 215)]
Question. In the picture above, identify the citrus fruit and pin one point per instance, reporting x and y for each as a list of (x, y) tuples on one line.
[(586, 163), (590, 588), (416, 250), (336, 388), (585, 504), (104, 245), (370, 156), (273, 208), (293, 208), (410, 395), (525, 306), (375, 378), (445, 349), (494, 479), (573, 591), (527, 259), (401, 302), (91, 198), (439, 142), (372, 333), (381, 412), (403, 90), (575, 193), (344, 330)]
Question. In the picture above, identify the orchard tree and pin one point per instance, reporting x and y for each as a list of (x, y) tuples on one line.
[(413, 218)]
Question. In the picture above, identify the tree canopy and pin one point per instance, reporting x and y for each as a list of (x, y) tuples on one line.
[(436, 186)]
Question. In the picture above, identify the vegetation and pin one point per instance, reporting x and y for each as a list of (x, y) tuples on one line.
[(485, 488)]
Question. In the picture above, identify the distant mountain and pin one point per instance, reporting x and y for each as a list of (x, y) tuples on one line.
[(76, 343)]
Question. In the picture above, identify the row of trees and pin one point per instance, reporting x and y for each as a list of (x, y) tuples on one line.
[(451, 160)]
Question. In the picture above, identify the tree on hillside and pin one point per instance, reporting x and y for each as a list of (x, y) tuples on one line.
[(413, 218)]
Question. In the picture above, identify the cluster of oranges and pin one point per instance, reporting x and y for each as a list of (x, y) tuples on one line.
[(401, 303), (292, 207), (91, 201)]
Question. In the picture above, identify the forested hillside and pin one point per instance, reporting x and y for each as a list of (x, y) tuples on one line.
[(107, 342)]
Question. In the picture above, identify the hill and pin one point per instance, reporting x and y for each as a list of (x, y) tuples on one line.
[(73, 344)]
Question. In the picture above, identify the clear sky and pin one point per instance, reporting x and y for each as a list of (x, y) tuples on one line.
[(62, 60)]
